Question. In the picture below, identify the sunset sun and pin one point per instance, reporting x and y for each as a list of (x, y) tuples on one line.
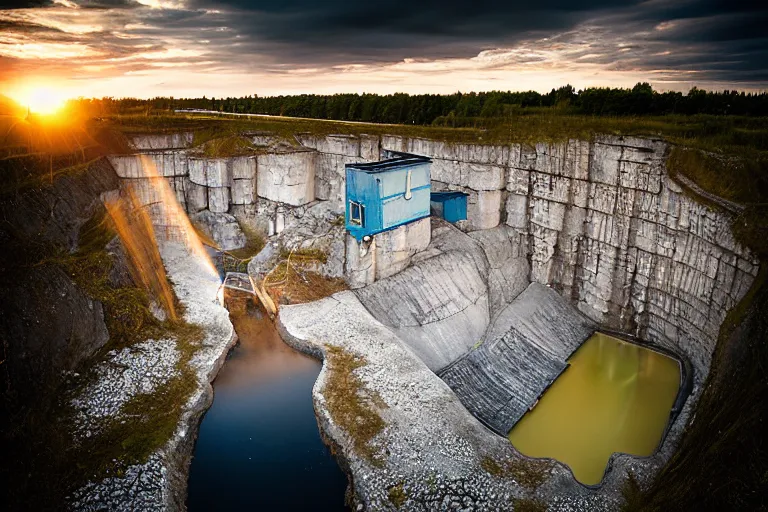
[(41, 100)]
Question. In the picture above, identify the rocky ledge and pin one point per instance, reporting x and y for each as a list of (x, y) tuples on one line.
[(430, 453), (161, 481)]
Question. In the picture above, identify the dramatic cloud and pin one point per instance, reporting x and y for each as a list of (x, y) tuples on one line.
[(147, 47)]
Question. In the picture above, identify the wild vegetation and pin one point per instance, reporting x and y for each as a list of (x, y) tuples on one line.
[(49, 463), (351, 405), (295, 280), (450, 109), (528, 473)]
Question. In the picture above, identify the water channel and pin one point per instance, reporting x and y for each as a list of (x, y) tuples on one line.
[(259, 447)]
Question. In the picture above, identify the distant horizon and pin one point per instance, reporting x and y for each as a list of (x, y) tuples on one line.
[(340, 93)]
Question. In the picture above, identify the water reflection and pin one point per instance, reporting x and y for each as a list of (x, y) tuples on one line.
[(614, 397), (259, 447)]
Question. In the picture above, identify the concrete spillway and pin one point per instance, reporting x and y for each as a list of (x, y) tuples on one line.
[(501, 379), (524, 352)]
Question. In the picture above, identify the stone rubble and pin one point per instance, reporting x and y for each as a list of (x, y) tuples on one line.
[(160, 482), (123, 374)]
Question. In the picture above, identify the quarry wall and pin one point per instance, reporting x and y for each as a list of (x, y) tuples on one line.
[(603, 223), (600, 221)]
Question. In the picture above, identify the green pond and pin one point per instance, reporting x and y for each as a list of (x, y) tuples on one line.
[(615, 396)]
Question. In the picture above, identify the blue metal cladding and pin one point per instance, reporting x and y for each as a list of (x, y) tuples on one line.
[(383, 195), (452, 206)]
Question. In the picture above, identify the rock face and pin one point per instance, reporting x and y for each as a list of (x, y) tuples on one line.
[(48, 324), (222, 228), (604, 224)]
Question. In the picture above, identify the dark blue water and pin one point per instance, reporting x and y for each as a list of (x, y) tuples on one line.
[(259, 447)]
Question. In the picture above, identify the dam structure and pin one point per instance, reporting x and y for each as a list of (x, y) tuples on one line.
[(460, 327)]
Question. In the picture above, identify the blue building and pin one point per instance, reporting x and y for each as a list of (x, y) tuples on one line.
[(383, 195), (452, 206)]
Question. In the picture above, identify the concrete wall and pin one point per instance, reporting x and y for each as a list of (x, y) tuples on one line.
[(386, 254)]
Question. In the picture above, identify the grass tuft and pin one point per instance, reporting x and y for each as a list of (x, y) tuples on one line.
[(529, 505), (350, 404), (397, 495), (528, 473)]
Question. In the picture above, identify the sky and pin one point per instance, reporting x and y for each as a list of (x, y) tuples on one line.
[(191, 48)]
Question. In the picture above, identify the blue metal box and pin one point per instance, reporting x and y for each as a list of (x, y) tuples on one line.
[(383, 195), (452, 206)]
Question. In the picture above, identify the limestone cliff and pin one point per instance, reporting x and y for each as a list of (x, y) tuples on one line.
[(48, 324)]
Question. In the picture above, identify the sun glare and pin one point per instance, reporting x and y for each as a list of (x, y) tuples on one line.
[(41, 100)]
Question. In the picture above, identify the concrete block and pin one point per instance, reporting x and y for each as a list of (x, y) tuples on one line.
[(517, 211), (243, 167), (287, 177), (395, 248), (243, 191), (484, 209), (345, 145), (211, 172), (394, 143), (218, 199), (550, 187), (576, 163), (127, 166), (550, 158), (196, 196), (518, 181), (446, 171), (602, 198), (548, 214), (370, 147), (605, 164), (482, 176), (359, 268), (161, 141)]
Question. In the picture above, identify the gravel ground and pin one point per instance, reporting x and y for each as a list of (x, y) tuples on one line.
[(160, 483), (431, 447)]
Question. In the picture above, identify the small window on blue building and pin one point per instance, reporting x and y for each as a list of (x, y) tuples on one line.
[(356, 213)]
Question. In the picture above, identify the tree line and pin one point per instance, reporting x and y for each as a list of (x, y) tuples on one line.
[(451, 109)]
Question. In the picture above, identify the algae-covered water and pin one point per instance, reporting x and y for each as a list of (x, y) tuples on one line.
[(614, 397)]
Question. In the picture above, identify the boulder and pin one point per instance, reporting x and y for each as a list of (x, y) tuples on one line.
[(222, 228)]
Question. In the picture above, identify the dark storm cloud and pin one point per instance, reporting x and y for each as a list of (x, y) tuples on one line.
[(722, 39), (83, 4), (23, 4), (374, 31), (711, 40)]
